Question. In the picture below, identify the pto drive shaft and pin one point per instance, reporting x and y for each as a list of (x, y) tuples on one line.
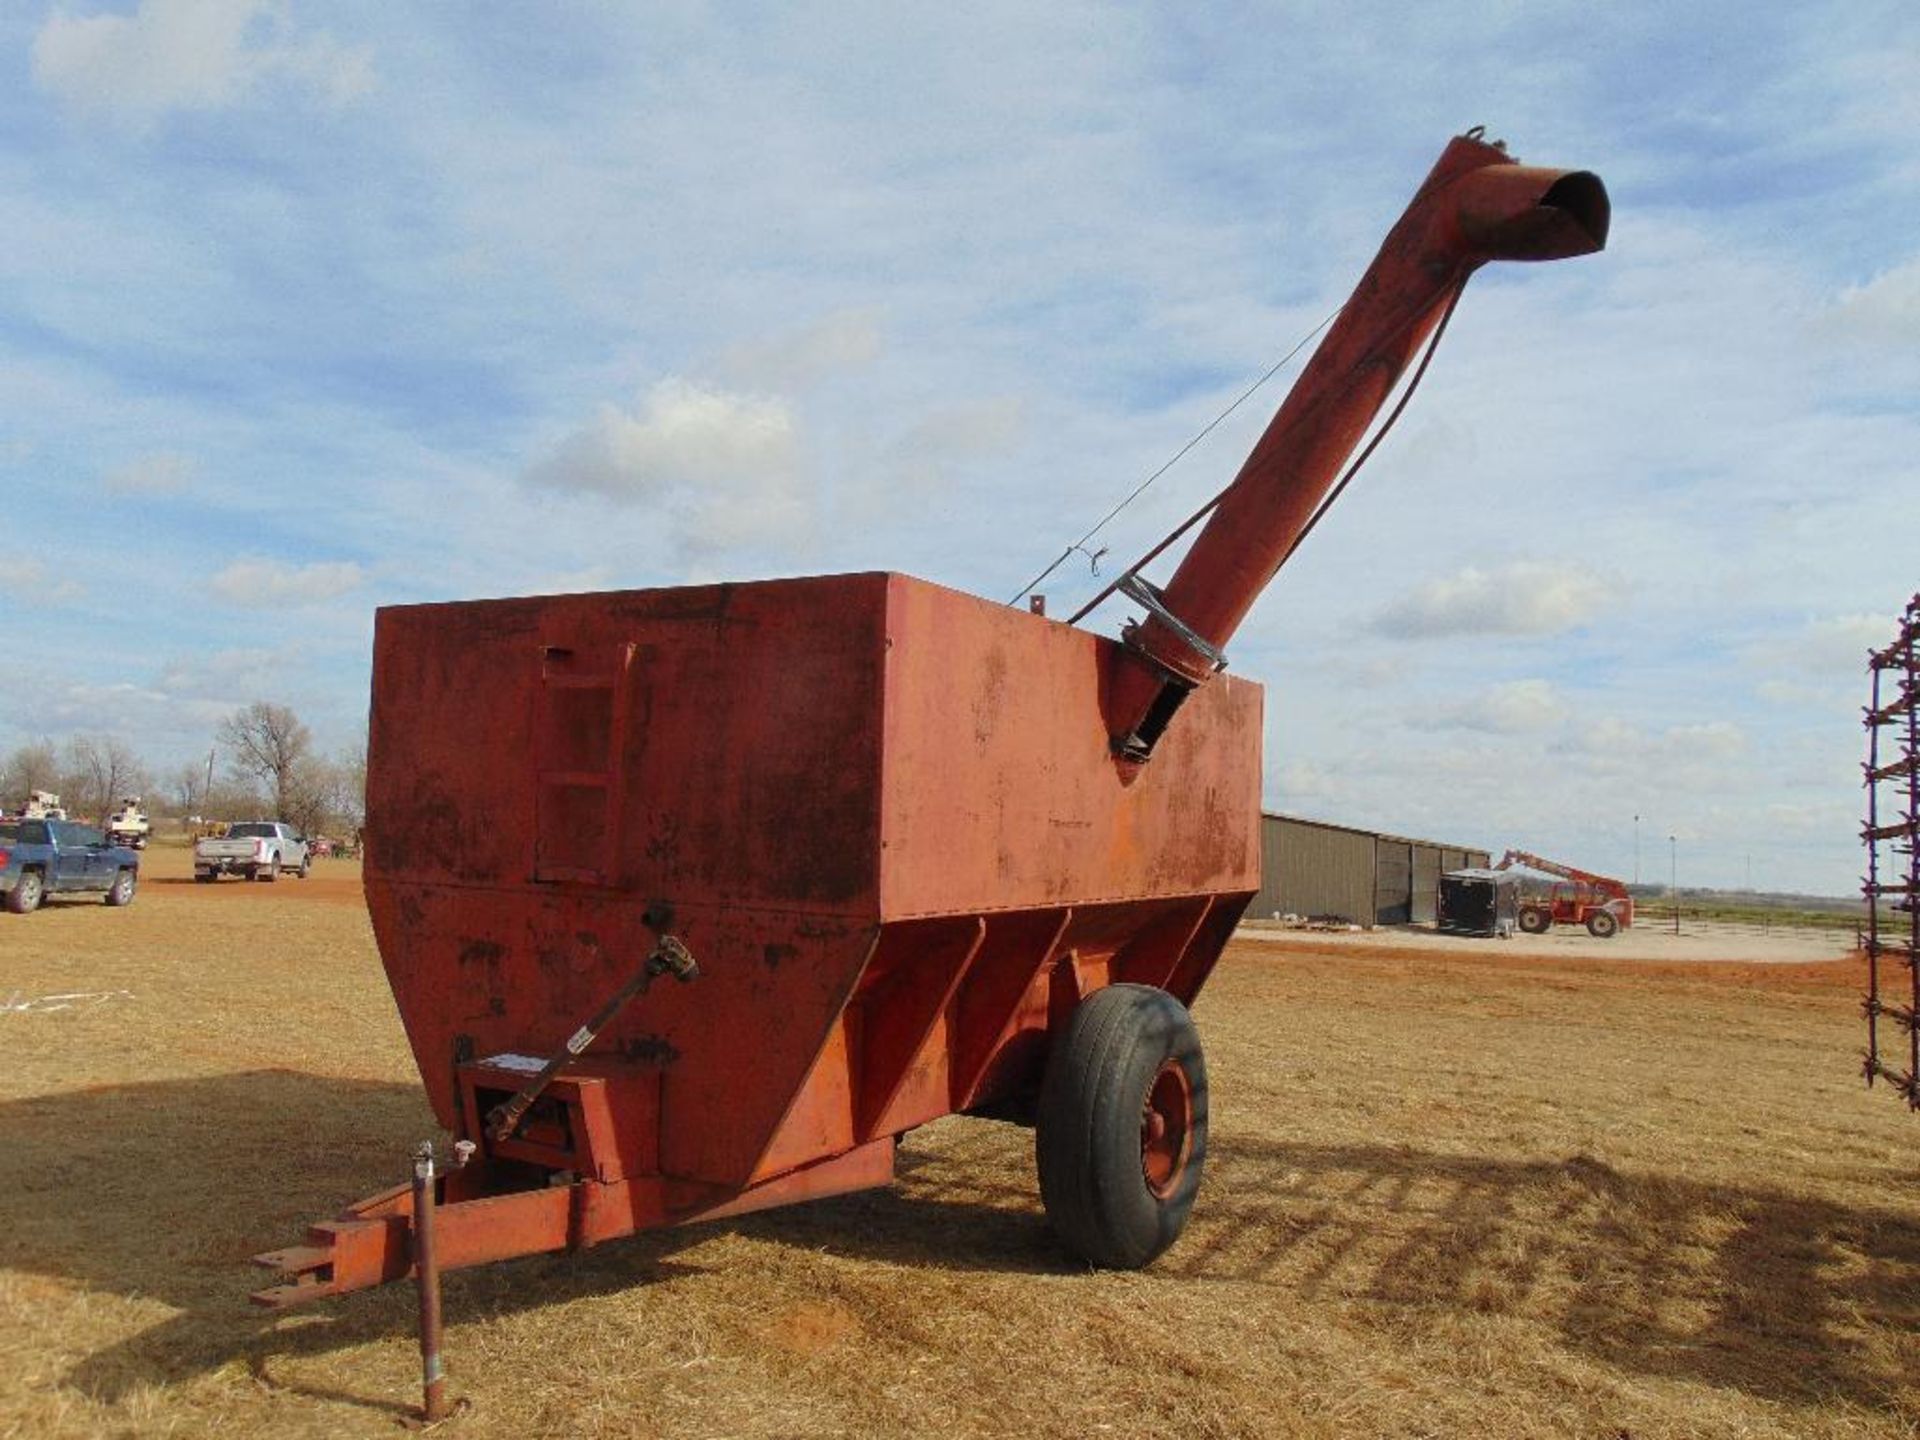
[(669, 957)]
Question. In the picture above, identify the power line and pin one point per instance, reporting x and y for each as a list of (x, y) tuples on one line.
[(1206, 430), (1327, 500)]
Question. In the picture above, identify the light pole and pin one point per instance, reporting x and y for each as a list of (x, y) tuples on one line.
[(1673, 878), (1636, 851)]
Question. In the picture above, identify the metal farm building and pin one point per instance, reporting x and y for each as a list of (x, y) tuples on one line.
[(1311, 868)]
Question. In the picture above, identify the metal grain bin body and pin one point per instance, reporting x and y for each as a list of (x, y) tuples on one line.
[(881, 813)]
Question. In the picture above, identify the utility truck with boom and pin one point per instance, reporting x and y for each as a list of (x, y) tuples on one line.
[(129, 825)]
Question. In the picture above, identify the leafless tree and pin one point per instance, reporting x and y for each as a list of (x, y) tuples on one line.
[(269, 745), (30, 767), (352, 767), (185, 787), (100, 769), (188, 788), (233, 797)]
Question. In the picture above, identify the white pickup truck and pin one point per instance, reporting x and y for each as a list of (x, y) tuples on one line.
[(257, 849)]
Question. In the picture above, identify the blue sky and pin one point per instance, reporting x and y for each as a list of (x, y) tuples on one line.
[(308, 309)]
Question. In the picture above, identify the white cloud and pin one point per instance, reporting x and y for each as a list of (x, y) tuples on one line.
[(724, 467), (1793, 692), (924, 458), (1885, 310), (187, 55), (579, 581), (1512, 707), (224, 675), (843, 341), (161, 473), (29, 583), (269, 582), (1685, 751), (1822, 817), (1834, 646), (1822, 665), (1528, 597), (1301, 780)]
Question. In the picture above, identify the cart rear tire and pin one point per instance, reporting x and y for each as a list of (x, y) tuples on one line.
[(1602, 925), (1121, 1136), (1536, 921)]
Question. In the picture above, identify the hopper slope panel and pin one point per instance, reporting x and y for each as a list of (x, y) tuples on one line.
[(1000, 791), (714, 744), (489, 971)]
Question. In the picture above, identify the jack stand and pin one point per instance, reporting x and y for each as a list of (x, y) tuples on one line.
[(433, 1375)]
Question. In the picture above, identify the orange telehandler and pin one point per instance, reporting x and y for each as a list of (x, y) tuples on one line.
[(1580, 897)]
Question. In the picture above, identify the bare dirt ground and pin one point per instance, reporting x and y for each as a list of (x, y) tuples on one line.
[(1452, 1190)]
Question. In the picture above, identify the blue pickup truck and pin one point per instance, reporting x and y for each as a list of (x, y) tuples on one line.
[(59, 857)]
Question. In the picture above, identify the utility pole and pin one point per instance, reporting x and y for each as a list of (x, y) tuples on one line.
[(206, 790), (1636, 850), (1673, 878)]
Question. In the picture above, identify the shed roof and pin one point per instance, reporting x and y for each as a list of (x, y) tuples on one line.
[(1373, 834)]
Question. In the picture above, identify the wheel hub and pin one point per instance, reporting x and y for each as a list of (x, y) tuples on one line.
[(1166, 1129)]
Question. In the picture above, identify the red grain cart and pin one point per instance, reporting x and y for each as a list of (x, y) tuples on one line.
[(909, 841)]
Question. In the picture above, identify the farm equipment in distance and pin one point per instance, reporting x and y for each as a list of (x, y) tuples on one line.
[(1579, 897), (729, 886)]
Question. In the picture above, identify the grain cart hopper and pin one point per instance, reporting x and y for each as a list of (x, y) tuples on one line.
[(874, 850)]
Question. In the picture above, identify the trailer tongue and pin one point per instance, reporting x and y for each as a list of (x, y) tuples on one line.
[(909, 838)]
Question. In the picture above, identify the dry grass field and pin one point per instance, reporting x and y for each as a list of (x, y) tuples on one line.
[(1452, 1191)]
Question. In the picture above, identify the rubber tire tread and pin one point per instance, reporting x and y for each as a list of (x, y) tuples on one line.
[(1546, 926), (19, 906), (1087, 1135), (114, 889), (1602, 929)]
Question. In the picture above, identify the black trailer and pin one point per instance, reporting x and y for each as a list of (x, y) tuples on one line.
[(1479, 902)]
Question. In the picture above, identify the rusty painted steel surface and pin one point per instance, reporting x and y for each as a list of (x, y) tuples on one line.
[(370, 1243), (783, 773), (881, 813), (426, 1275), (1476, 205)]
